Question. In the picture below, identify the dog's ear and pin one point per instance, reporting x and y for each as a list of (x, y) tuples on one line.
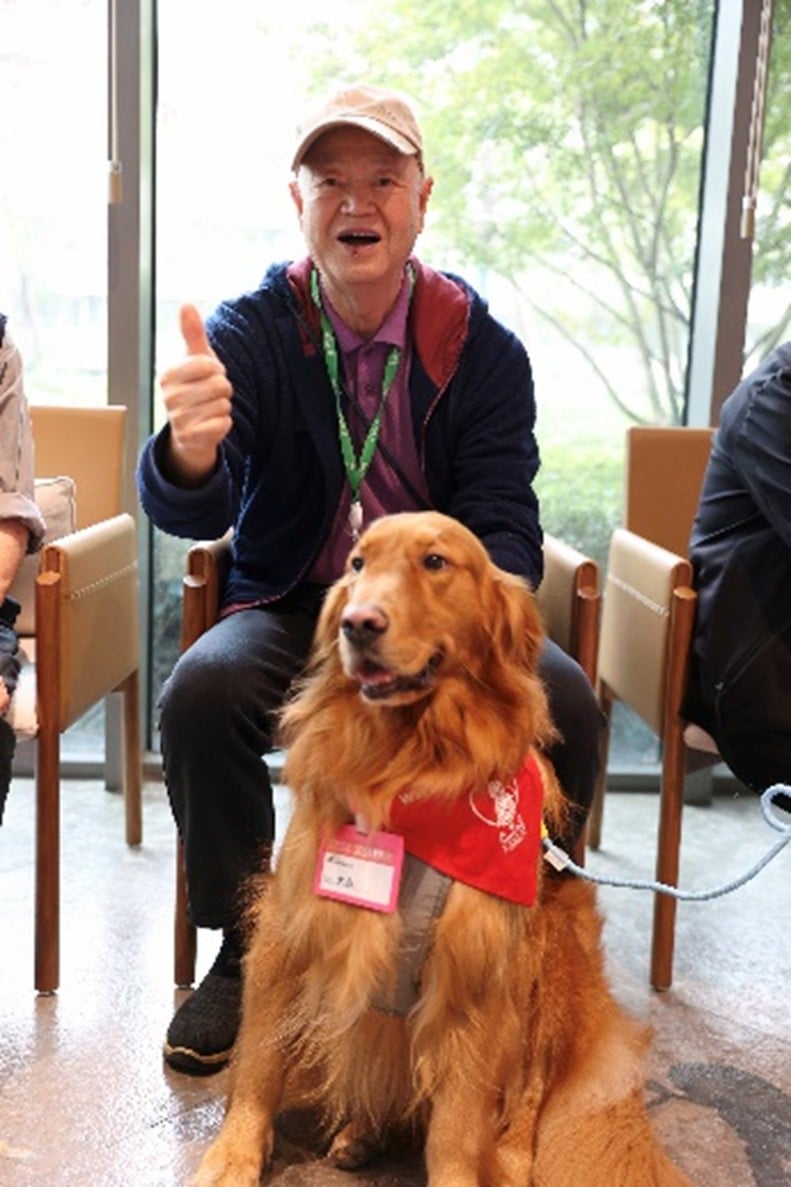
[(516, 622), (321, 671), (326, 636)]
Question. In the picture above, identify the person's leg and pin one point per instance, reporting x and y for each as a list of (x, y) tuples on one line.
[(217, 716), (579, 721), (7, 748), (761, 759), (9, 673)]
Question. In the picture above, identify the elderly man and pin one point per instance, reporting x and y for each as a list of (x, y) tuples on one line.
[(351, 384), (21, 530)]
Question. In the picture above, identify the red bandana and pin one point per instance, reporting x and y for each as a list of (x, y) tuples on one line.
[(489, 839)]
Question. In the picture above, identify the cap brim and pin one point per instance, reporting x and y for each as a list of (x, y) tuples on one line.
[(394, 139)]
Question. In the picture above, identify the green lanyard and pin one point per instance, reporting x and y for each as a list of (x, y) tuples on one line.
[(355, 468)]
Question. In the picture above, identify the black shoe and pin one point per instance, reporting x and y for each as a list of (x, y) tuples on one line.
[(203, 1030)]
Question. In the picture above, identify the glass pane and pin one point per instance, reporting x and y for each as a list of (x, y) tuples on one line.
[(53, 194), (53, 223), (769, 314), (565, 142), (222, 204)]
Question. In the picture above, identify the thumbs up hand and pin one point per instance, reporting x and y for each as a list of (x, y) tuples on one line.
[(197, 397), (193, 331)]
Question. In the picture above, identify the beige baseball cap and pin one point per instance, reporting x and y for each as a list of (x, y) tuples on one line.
[(382, 113)]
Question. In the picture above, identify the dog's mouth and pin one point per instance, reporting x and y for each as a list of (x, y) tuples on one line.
[(378, 683)]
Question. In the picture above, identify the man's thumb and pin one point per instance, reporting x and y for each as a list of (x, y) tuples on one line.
[(192, 331)]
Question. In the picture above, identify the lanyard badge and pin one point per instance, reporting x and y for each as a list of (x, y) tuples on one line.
[(355, 467), (363, 869)]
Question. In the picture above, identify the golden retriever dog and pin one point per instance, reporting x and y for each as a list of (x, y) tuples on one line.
[(421, 721)]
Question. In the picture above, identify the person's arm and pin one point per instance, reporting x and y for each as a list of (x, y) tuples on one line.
[(17, 503), (21, 523), (197, 398), (495, 452), (14, 538), (760, 444), (181, 483)]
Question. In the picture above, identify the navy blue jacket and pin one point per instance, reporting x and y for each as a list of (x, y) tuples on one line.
[(279, 477), (740, 686)]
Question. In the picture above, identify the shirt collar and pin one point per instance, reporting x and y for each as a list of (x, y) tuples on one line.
[(392, 332)]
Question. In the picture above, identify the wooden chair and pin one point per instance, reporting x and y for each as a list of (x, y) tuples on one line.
[(207, 566), (648, 611), (569, 602), (663, 478), (78, 633)]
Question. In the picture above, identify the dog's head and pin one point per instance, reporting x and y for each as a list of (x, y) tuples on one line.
[(421, 602)]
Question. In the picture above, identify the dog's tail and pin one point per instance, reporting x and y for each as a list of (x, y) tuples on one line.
[(590, 1136)]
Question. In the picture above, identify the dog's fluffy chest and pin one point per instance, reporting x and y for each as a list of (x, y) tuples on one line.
[(356, 953)]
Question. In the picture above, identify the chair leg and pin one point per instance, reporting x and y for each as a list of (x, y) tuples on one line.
[(671, 805), (185, 936), (133, 773), (47, 928)]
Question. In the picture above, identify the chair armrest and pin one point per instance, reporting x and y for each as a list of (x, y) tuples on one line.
[(569, 600), (207, 566), (86, 617)]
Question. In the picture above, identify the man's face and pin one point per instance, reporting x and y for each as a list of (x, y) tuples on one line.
[(361, 206)]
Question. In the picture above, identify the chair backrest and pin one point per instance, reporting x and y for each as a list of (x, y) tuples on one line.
[(86, 444), (569, 600), (646, 628), (664, 474)]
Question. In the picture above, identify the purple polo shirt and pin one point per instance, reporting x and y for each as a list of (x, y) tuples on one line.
[(382, 492)]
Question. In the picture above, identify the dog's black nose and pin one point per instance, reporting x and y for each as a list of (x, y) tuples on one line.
[(362, 623)]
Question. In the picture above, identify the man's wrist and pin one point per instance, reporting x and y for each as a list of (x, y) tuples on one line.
[(186, 468)]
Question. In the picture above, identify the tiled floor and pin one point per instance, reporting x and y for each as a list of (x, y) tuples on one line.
[(85, 1100)]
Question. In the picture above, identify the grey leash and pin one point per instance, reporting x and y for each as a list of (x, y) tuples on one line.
[(558, 858)]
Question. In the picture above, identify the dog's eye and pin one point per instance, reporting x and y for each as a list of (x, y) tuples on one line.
[(434, 561), (356, 563)]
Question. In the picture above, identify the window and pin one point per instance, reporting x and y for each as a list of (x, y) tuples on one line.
[(573, 210), (769, 315), (566, 144), (53, 195), (53, 213)]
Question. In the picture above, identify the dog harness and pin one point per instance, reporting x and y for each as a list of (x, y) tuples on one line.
[(421, 901), (489, 839)]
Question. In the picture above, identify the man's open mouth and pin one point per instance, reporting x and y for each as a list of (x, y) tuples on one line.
[(377, 683), (359, 238)]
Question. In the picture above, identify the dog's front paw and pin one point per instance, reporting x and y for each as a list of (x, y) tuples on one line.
[(354, 1147), (224, 1166)]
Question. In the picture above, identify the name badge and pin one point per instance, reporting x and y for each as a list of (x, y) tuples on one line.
[(363, 869)]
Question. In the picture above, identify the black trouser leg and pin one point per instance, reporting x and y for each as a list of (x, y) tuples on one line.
[(218, 713), (579, 720)]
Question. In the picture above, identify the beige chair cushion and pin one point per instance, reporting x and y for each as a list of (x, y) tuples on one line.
[(56, 501)]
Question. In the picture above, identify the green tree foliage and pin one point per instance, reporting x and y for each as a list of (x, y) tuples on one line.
[(568, 139), (772, 247), (567, 135)]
